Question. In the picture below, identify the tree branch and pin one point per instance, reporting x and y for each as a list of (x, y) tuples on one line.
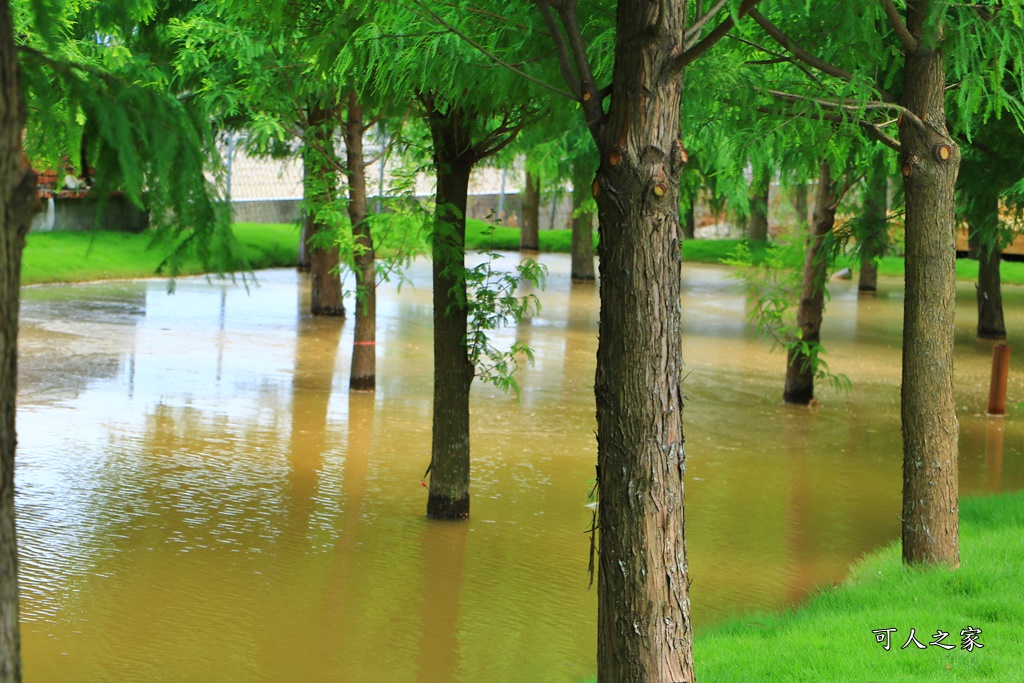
[(870, 128), (781, 57), (900, 26), (591, 104), (691, 33), (564, 64), (692, 53), (805, 56), (848, 105)]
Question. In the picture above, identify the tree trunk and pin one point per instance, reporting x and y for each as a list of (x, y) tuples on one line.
[(324, 260), (757, 228), (985, 219), (800, 204), (363, 376), (18, 202), (690, 217), (306, 230), (453, 372), (929, 164), (800, 367), (529, 234), (644, 630), (582, 224), (874, 232)]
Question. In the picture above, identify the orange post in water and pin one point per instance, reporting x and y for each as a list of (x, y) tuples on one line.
[(997, 389)]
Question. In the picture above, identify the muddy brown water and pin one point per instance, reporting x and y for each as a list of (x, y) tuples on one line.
[(201, 499)]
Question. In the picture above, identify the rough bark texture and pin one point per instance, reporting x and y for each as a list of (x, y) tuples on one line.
[(757, 227), (529, 234), (985, 216), (453, 372), (18, 203), (582, 224), (326, 295), (930, 484), (644, 630), (875, 229), (800, 369), (363, 376)]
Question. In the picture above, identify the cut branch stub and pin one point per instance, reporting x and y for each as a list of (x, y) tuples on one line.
[(614, 157), (944, 152), (659, 190), (908, 165), (595, 189), (586, 96)]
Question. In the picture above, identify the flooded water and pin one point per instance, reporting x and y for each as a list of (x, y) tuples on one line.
[(201, 499)]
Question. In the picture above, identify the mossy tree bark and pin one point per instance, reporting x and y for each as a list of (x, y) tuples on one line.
[(582, 224), (363, 374), (800, 367), (984, 217), (18, 203), (757, 225), (930, 160), (529, 233), (324, 259), (874, 232)]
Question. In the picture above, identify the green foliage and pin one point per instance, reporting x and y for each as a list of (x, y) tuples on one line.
[(493, 303), (100, 95)]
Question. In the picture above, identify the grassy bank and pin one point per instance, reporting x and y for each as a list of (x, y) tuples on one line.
[(77, 257), (832, 638), (81, 256)]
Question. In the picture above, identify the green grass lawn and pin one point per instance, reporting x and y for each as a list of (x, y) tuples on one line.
[(82, 256)]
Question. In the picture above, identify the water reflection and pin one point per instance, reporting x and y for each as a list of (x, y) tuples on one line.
[(198, 492)]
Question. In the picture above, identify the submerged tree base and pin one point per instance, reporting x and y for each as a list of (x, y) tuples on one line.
[(367, 383), (446, 507)]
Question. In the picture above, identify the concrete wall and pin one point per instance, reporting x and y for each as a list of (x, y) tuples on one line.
[(79, 215)]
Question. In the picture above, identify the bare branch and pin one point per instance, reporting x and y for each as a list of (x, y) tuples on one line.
[(690, 36), (849, 105), (692, 53), (805, 56), (591, 105), (900, 26), (491, 56), (779, 56), (872, 129), (564, 63)]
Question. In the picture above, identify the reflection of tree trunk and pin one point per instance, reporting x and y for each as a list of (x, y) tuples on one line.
[(364, 354), (326, 296), (582, 224), (757, 228), (874, 232), (994, 434), (800, 369), (984, 224), (18, 203), (453, 371), (529, 234), (930, 163), (315, 355), (800, 512), (444, 557)]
